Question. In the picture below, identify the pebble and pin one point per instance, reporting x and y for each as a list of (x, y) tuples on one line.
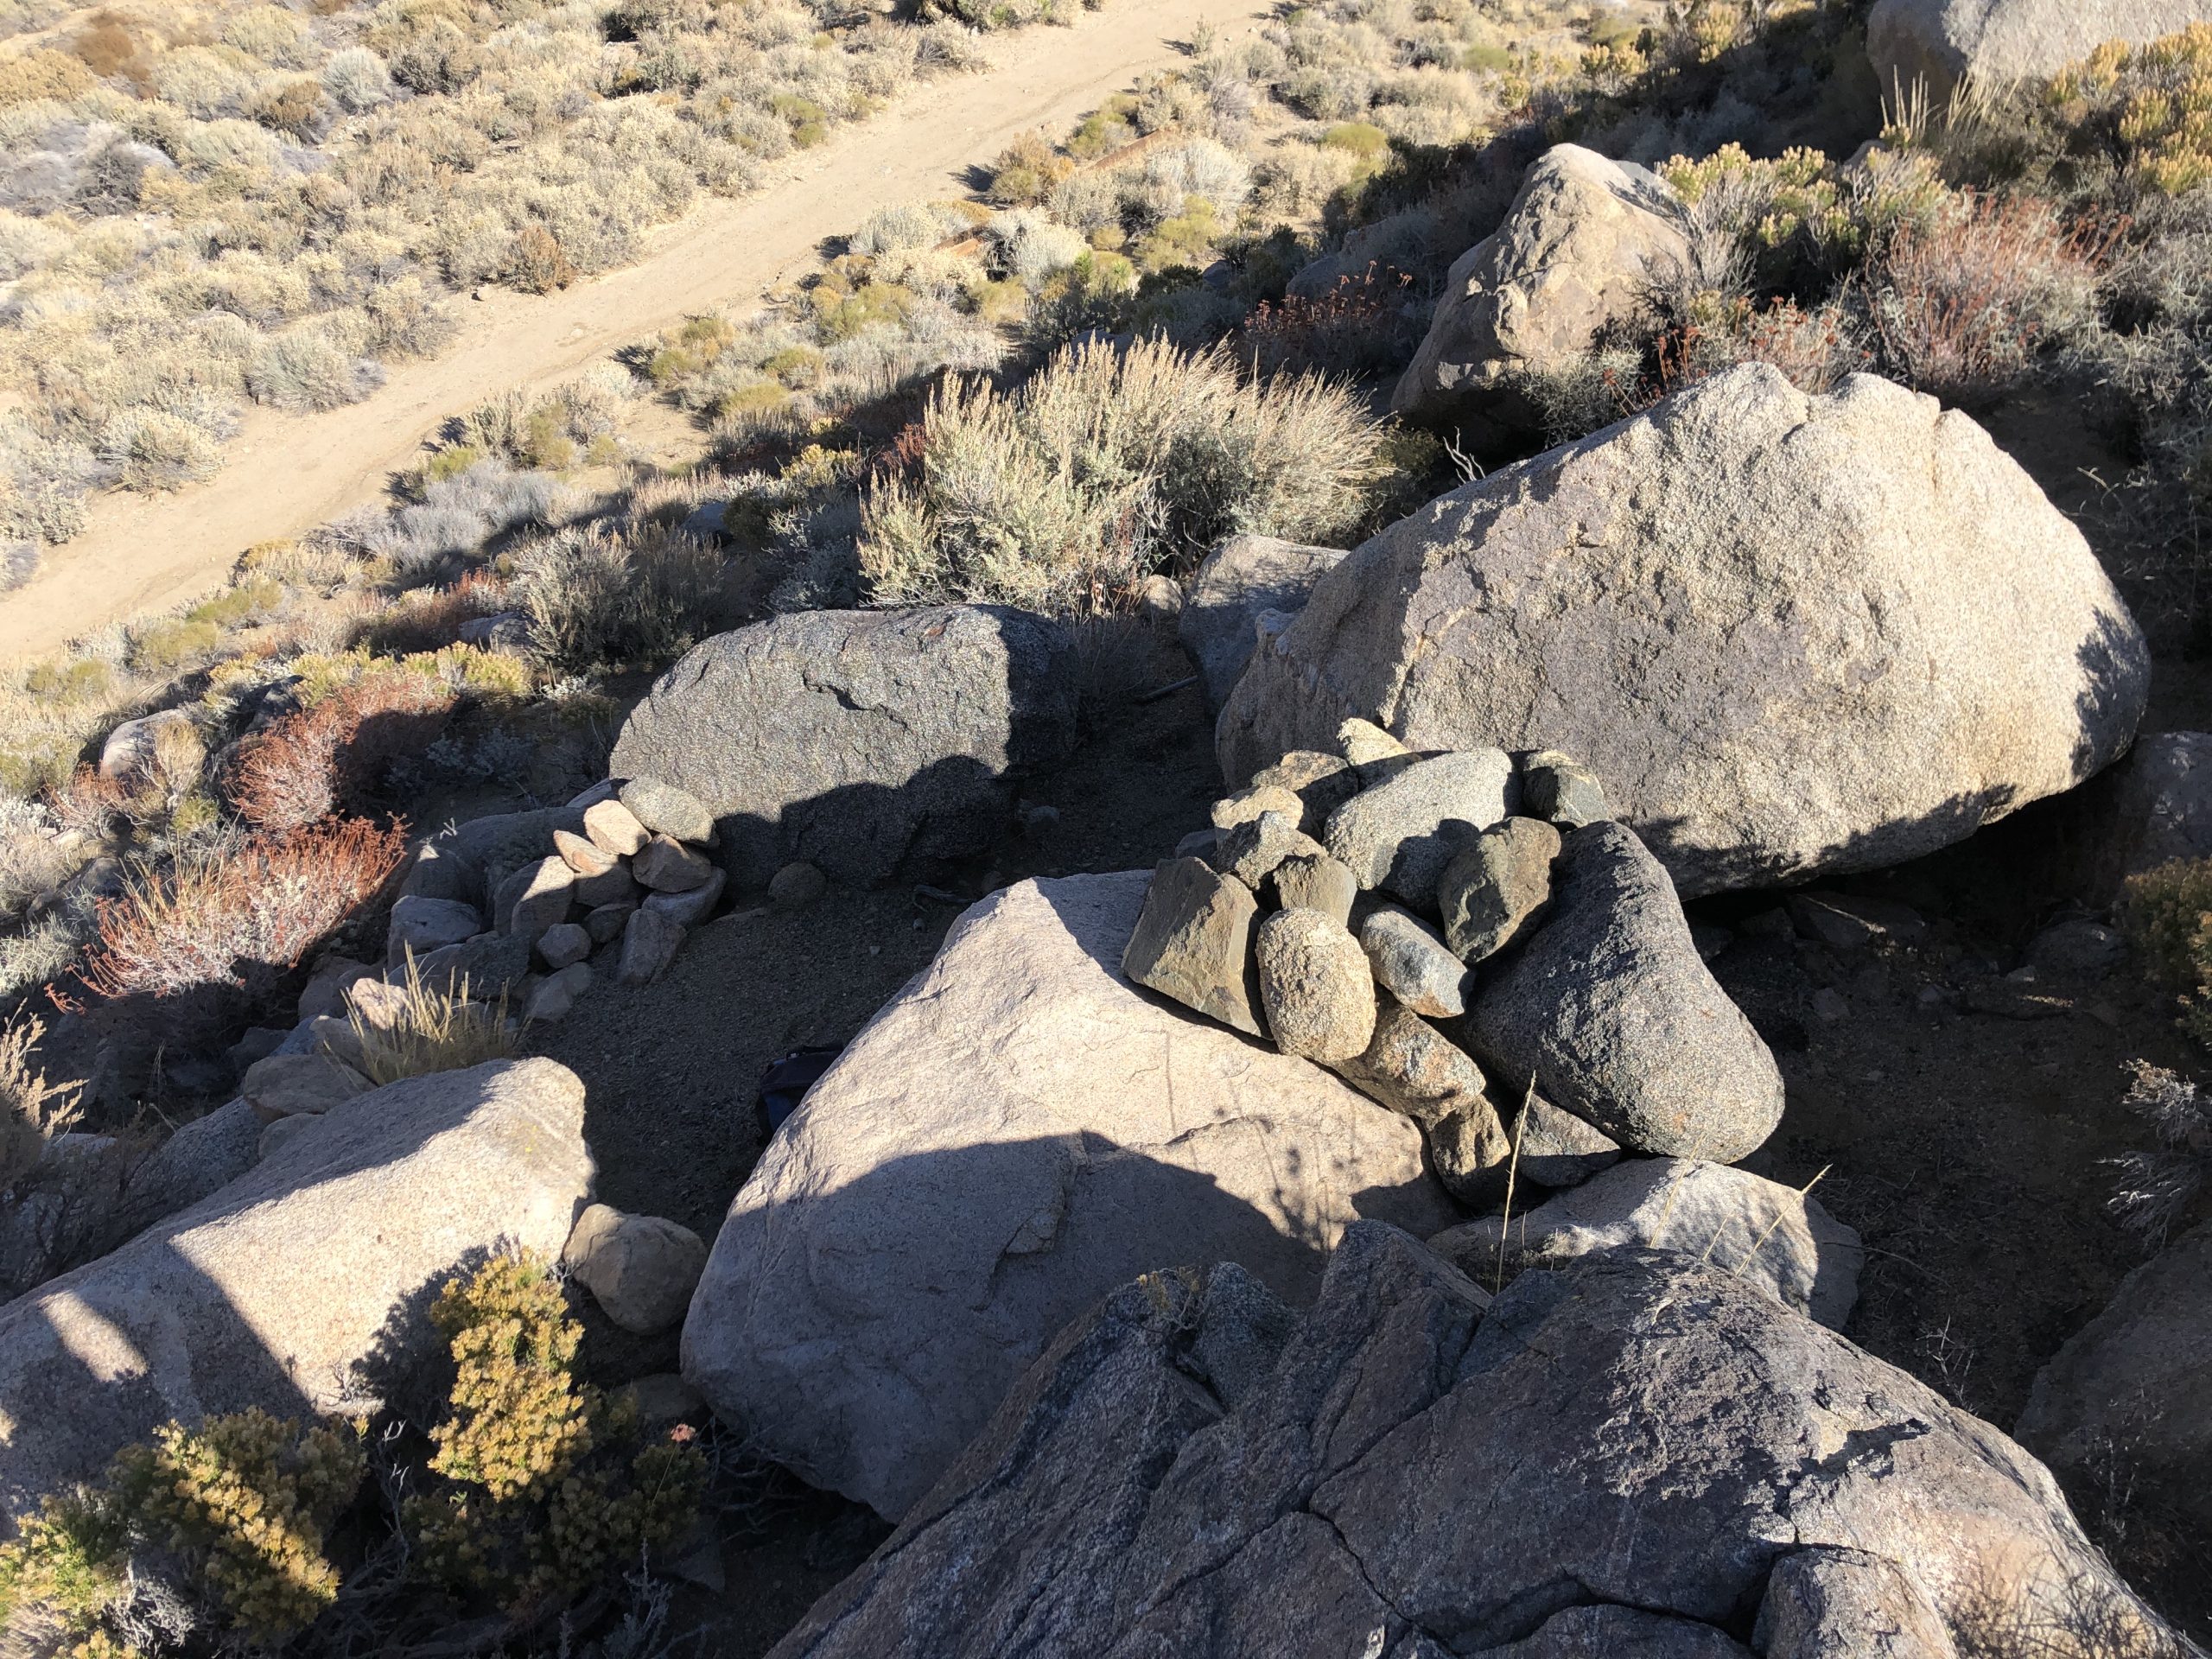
[(797, 886)]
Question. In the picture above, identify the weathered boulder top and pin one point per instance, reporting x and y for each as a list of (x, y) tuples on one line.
[(1580, 247), (1019, 1131), (1788, 633), (1998, 43), (854, 739), (1636, 1455), (301, 1286)]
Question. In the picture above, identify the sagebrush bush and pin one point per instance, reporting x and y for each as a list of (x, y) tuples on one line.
[(545, 1490), (2155, 1186), (601, 595), (1106, 465), (2167, 912)]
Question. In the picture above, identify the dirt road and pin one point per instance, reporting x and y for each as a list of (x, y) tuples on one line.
[(285, 473)]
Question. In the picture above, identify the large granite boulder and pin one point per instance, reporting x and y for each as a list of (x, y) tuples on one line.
[(1788, 633), (1632, 1455), (856, 740), (1611, 1011), (2000, 43), (1578, 249), (1016, 1133), (2128, 1392), (303, 1286), (1243, 579)]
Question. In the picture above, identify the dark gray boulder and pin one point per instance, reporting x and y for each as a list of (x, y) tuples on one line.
[(1612, 1009), (2129, 1388), (1616, 1456), (857, 740)]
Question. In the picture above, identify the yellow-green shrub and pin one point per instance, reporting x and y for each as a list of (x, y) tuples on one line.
[(243, 1501), (544, 1489)]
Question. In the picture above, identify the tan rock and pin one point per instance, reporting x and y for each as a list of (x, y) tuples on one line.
[(1016, 1133), (640, 1269), (585, 857), (614, 828), (280, 1289)]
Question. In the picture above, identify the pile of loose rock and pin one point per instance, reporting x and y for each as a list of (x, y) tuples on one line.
[(630, 871), (1407, 919)]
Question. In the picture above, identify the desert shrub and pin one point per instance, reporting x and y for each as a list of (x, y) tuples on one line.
[(433, 1028), (2167, 913), (2155, 1186), (33, 1110), (153, 449), (1963, 310), (543, 1487), (331, 756), (241, 1506), (907, 225), (310, 368), (1031, 247), (603, 596), (2149, 104), (1359, 328), (1105, 467), (237, 914), (43, 73), (1026, 171)]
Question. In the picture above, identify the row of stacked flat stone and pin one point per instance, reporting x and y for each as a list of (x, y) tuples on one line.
[(630, 871), (1408, 918)]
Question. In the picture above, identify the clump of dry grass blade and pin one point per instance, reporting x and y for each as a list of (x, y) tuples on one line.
[(430, 1030), (1105, 467)]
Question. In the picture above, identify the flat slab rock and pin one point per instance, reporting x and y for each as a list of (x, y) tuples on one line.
[(1632, 1455), (1019, 1131), (299, 1287)]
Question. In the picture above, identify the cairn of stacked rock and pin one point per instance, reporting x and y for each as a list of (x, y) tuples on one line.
[(1468, 938)]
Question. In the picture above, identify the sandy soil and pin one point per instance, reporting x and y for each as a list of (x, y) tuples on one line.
[(289, 473)]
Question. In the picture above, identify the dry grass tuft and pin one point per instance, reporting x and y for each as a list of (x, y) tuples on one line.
[(431, 1030)]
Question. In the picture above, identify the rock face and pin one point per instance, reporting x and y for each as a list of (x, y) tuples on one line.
[(2131, 1383), (1578, 248), (1999, 42), (857, 739), (1612, 1009), (1887, 638), (277, 1289), (1016, 1133), (1245, 575), (1763, 1233), (1623, 1458)]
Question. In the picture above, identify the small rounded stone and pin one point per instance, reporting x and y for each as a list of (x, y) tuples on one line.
[(1315, 986)]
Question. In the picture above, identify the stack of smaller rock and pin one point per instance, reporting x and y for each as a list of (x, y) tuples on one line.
[(1409, 918), (622, 868)]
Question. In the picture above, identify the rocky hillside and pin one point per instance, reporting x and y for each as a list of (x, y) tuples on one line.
[(1136, 1008)]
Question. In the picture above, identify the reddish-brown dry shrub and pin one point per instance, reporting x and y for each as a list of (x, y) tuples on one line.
[(240, 914), (539, 265), (1356, 327), (328, 756), (1962, 309)]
